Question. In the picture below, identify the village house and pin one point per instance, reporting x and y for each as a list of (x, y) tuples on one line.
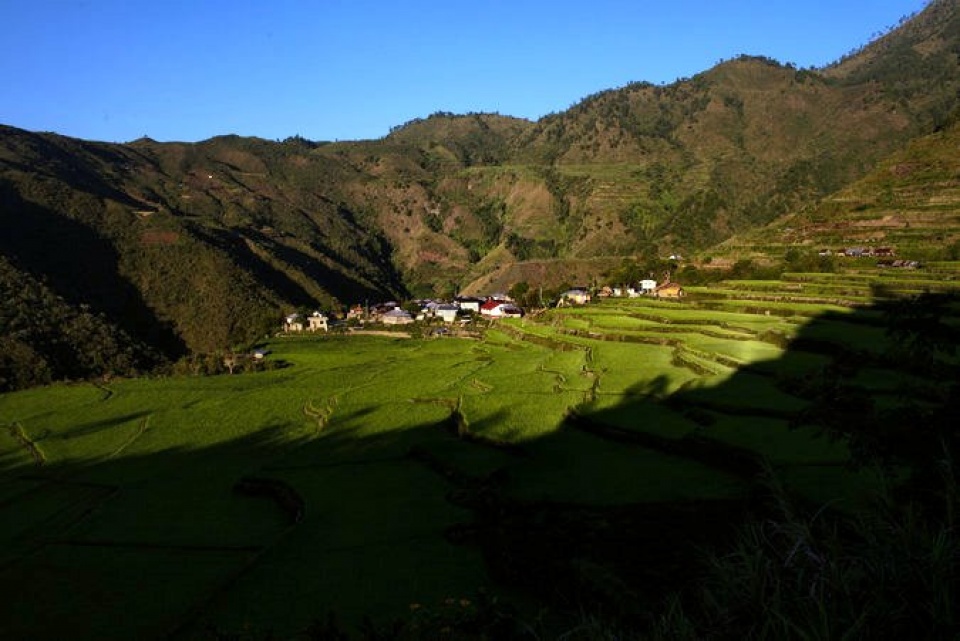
[(376, 312), (428, 309), (469, 304), (648, 286), (578, 296), (496, 308), (356, 312), (293, 323), (669, 290), (447, 312), (396, 316), (317, 321)]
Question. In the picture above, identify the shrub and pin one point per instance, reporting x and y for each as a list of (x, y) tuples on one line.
[(890, 571)]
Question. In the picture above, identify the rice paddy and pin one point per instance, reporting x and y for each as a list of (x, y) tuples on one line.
[(126, 507)]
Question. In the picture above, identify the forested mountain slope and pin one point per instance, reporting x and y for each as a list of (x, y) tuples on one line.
[(202, 246)]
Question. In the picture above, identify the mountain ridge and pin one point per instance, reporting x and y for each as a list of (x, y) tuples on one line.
[(202, 246)]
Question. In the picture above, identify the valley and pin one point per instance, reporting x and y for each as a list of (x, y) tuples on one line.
[(768, 450), (391, 452)]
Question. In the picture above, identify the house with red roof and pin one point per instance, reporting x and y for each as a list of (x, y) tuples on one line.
[(496, 308)]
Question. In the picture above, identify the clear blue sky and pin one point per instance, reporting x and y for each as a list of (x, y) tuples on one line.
[(187, 70)]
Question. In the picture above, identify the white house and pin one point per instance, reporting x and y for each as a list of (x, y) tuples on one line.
[(500, 309), (447, 311), (317, 321), (470, 304), (648, 286), (293, 323)]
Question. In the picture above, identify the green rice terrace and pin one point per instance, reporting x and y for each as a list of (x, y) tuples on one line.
[(580, 455)]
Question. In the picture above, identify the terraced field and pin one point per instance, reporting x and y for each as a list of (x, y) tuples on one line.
[(373, 473), (907, 204)]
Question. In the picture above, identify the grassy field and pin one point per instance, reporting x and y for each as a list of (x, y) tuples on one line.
[(122, 504)]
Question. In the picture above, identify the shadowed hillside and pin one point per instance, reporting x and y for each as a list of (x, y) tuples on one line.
[(203, 239), (47, 338)]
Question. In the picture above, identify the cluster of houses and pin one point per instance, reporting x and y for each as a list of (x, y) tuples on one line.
[(315, 322), (666, 288), (647, 287), (463, 309), (392, 313), (899, 264), (459, 310), (885, 253), (859, 252)]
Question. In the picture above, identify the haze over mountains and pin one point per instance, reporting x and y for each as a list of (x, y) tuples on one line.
[(137, 252)]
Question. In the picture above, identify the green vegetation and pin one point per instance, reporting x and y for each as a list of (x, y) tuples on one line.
[(204, 247), (772, 456), (43, 338), (391, 478)]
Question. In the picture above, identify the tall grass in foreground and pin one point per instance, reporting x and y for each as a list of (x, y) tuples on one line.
[(888, 572)]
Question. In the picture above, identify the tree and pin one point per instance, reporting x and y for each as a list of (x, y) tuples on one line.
[(916, 432), (519, 291)]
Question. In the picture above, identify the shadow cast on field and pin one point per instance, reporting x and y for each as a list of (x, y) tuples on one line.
[(86, 429), (600, 515)]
